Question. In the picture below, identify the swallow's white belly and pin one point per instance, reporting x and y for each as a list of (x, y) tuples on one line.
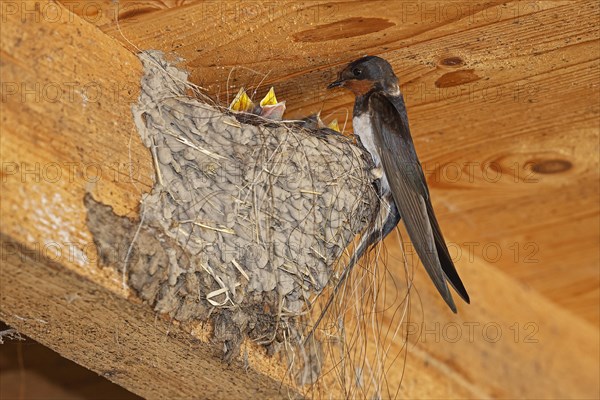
[(363, 128)]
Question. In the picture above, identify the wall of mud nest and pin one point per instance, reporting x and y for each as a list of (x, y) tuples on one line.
[(246, 219)]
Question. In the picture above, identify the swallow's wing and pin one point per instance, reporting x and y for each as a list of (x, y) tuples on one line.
[(409, 189)]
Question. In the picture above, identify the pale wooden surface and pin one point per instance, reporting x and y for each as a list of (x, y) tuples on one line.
[(532, 96), (120, 340), (89, 138), (541, 59), (29, 369)]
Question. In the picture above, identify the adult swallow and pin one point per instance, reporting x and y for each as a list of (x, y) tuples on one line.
[(381, 123)]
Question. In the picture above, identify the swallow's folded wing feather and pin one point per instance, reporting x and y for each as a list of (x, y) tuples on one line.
[(409, 189)]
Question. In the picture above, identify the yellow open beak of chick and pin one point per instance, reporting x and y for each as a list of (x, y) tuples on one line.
[(268, 107)]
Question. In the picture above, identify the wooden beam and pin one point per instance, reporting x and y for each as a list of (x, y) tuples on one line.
[(121, 340), (497, 83), (510, 342), (67, 130)]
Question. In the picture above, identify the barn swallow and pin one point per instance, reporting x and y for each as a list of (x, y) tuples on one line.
[(381, 123)]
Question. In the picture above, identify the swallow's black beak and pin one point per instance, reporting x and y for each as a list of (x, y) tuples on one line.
[(335, 84)]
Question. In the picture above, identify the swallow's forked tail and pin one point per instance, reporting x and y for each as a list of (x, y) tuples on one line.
[(374, 234)]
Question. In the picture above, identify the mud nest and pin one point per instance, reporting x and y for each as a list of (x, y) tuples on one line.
[(247, 217)]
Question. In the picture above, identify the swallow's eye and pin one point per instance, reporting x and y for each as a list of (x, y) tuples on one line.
[(356, 71)]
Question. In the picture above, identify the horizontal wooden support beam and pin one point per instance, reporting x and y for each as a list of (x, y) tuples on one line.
[(67, 130), (67, 90), (492, 89), (120, 339)]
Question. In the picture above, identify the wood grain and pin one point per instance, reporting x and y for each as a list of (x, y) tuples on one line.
[(511, 342), (502, 98), (67, 130), (513, 84), (29, 369), (120, 340)]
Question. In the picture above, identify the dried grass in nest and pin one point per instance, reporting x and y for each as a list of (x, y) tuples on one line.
[(247, 217)]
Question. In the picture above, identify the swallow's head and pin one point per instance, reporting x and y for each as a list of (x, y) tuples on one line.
[(366, 74)]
